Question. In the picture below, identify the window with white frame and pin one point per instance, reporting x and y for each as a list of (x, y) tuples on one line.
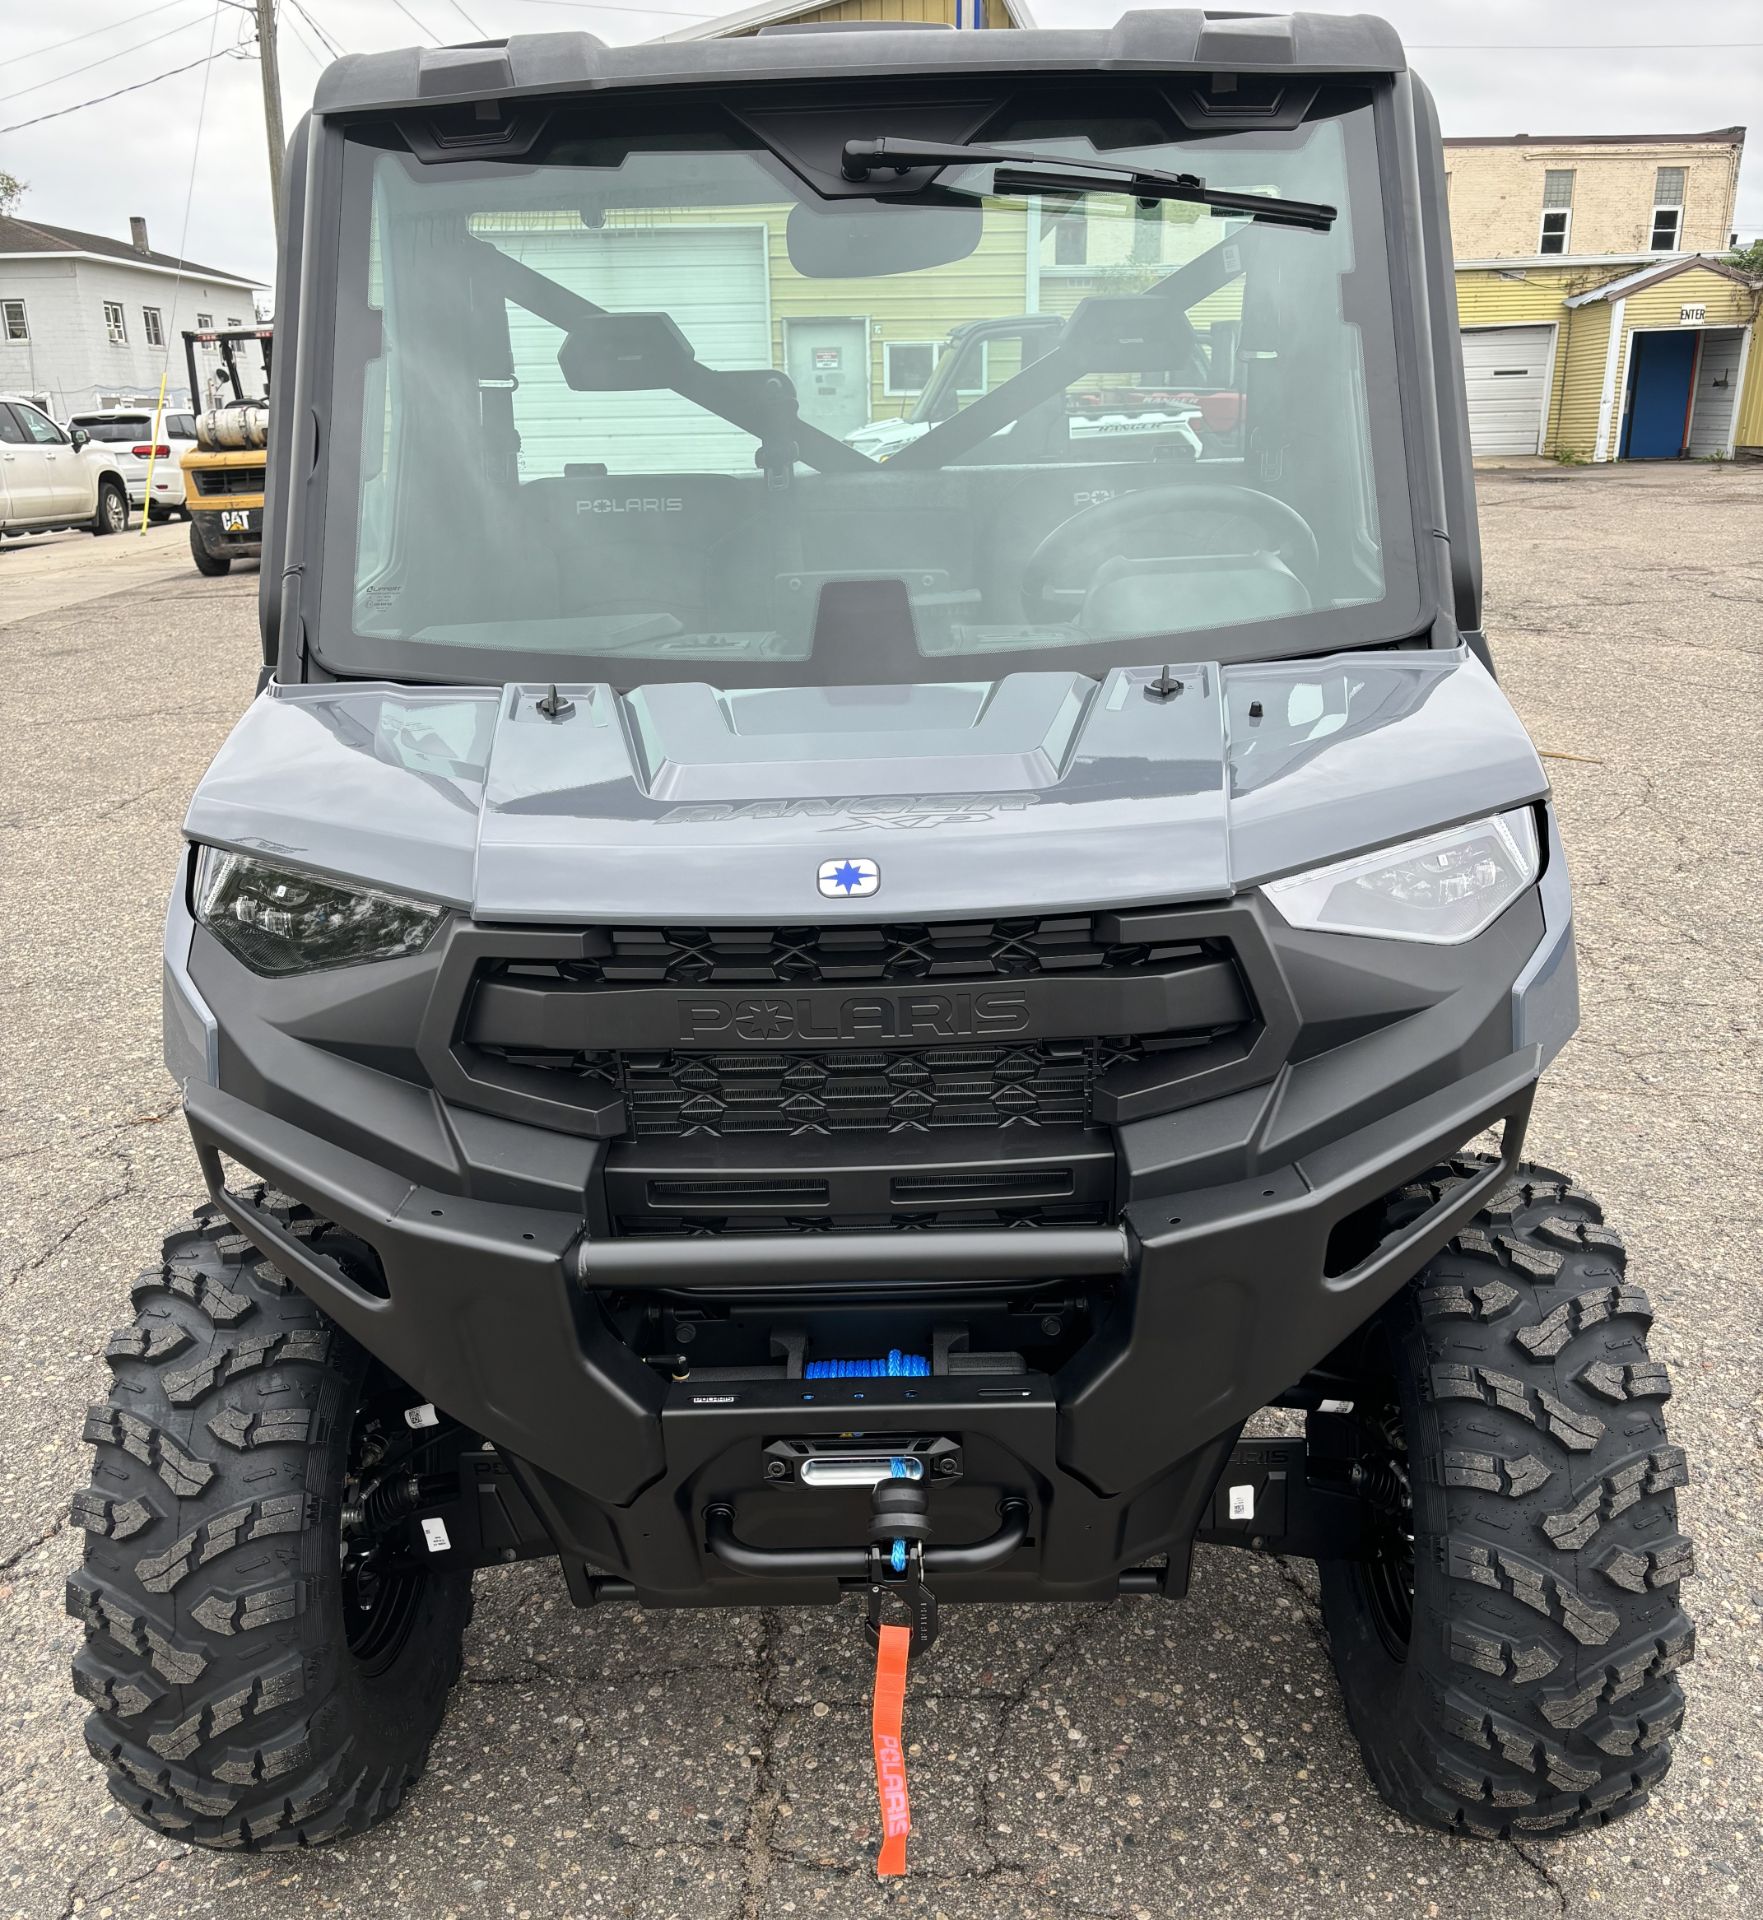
[(204, 321), (13, 324), (1667, 235), (1557, 210), (116, 323), (154, 325), (907, 365)]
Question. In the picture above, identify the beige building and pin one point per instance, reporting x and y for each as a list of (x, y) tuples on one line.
[(1593, 196)]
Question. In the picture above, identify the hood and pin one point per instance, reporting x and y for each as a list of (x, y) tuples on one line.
[(1035, 793)]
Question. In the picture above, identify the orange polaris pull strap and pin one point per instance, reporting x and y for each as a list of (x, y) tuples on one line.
[(892, 1646)]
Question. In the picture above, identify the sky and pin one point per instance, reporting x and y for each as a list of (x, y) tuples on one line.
[(1495, 66)]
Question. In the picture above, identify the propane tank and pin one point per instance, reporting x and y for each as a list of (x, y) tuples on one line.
[(234, 429)]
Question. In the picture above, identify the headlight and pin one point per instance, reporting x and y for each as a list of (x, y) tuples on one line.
[(1444, 889), (278, 921)]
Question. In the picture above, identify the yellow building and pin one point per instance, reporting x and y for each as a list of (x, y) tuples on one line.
[(1602, 363)]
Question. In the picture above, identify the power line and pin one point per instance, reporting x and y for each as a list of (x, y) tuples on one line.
[(332, 45), (408, 15), (469, 21), (170, 73), (311, 52), (73, 40), (103, 59)]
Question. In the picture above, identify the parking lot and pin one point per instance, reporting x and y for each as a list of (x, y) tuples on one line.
[(1137, 1759)]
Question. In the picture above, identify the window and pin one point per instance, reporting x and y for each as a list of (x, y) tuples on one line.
[(11, 432), (907, 365), (1557, 210), (155, 329), (45, 432), (233, 320), (1147, 230), (1668, 184), (180, 426), (116, 323), (1071, 239), (12, 320), (204, 321)]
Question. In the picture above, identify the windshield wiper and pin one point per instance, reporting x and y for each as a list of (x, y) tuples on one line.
[(1019, 171)]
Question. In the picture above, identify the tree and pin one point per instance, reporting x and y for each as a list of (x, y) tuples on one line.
[(1748, 259), (11, 191)]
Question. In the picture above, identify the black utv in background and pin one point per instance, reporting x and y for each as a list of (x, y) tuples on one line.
[(767, 1021)]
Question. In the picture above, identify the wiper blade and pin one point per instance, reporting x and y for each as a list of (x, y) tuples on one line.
[(1019, 171)]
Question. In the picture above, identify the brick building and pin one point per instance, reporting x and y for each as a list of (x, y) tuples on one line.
[(1593, 195)]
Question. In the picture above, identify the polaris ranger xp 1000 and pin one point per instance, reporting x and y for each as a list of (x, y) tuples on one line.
[(770, 1023)]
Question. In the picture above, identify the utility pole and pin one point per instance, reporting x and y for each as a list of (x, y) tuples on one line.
[(272, 105)]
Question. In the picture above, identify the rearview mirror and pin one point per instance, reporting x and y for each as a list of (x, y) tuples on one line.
[(859, 239), (80, 438)]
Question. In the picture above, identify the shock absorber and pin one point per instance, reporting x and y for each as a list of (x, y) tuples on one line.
[(388, 1501)]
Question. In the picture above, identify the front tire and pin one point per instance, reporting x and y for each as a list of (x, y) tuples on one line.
[(1512, 1669), (243, 1693), (211, 564)]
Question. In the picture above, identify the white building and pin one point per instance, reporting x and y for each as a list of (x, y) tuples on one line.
[(87, 321)]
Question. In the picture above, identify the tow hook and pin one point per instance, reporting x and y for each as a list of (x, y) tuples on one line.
[(899, 1525)]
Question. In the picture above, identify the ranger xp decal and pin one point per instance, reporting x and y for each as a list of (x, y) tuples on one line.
[(884, 810)]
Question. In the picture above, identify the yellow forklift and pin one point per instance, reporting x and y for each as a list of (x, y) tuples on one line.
[(224, 471)]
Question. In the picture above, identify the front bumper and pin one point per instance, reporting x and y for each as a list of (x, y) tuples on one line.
[(1218, 1299)]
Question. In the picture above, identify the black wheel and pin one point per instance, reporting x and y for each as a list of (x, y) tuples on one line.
[(1508, 1655), (212, 564), (113, 508), (261, 1672)]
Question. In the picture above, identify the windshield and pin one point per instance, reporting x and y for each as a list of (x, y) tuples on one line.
[(652, 408), (110, 426)]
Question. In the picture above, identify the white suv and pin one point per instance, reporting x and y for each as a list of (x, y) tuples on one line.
[(126, 433), (52, 478)]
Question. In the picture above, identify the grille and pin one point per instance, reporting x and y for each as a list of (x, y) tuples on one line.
[(221, 481), (837, 956), (848, 1091)]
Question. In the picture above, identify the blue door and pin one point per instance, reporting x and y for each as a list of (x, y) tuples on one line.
[(1659, 395)]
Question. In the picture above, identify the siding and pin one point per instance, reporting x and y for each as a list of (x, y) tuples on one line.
[(1728, 304), (1579, 381), (1750, 427)]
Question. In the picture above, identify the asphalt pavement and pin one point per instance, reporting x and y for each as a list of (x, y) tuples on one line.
[(1138, 1759)]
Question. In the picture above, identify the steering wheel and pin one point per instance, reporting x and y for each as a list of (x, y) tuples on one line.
[(1095, 534)]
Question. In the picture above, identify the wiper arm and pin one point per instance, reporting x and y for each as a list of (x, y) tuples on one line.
[(1027, 172)]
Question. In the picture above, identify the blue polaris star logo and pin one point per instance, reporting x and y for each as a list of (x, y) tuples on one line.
[(849, 879)]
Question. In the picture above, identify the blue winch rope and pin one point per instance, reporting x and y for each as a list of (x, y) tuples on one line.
[(897, 1471), (897, 1365)]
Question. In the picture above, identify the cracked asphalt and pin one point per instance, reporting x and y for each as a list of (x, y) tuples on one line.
[(1136, 1760)]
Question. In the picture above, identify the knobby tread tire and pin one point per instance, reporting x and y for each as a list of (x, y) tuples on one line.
[(1538, 1692), (226, 1707)]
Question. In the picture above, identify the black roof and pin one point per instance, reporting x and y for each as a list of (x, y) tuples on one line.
[(36, 236), (549, 63)]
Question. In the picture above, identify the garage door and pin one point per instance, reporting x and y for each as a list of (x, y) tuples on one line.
[(1506, 372), (711, 280)]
